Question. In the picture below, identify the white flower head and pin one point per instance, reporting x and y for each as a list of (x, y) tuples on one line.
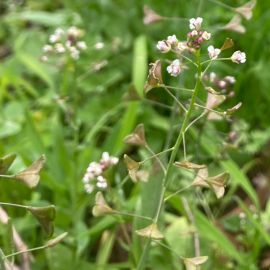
[(99, 45), (74, 53), (213, 52), (172, 40), (59, 48), (81, 45), (222, 84), (174, 68), (163, 46), (88, 188), (206, 35), (74, 31), (54, 38), (47, 48), (238, 57), (195, 23)]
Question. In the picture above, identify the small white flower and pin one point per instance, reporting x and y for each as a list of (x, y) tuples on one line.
[(75, 54), (222, 84), (59, 31), (44, 58), (54, 38), (238, 57), (74, 31), (195, 23), (194, 33), (81, 45), (99, 45), (47, 48), (212, 76), (174, 68), (182, 46), (59, 48), (206, 35), (105, 157), (163, 46), (172, 40), (88, 188), (230, 79), (114, 160), (213, 52)]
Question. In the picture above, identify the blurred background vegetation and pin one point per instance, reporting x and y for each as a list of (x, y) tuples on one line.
[(74, 112)]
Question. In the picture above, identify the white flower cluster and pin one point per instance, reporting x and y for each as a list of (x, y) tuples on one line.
[(65, 42), (174, 68), (171, 43), (238, 57), (94, 173)]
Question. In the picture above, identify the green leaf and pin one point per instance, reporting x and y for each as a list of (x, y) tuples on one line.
[(209, 231), (6, 162), (139, 64)]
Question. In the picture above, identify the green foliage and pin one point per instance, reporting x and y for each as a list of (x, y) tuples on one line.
[(73, 111)]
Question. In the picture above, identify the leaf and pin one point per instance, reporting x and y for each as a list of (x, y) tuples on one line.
[(209, 231), (101, 207), (139, 64), (228, 43), (192, 263), (6, 162), (45, 215), (150, 231), (137, 137), (30, 176), (189, 165), (53, 242)]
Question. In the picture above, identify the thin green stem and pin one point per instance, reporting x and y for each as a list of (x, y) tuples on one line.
[(167, 177), (221, 4), (131, 215), (14, 205), (23, 251), (155, 155), (177, 192), (176, 100), (218, 59), (177, 88), (7, 176)]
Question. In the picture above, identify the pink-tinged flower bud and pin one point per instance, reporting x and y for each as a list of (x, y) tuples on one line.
[(200, 40), (212, 52), (222, 84), (195, 23), (230, 79), (163, 46), (174, 68), (172, 40), (238, 57), (206, 35)]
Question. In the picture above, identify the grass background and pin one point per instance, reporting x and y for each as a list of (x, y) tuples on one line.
[(36, 119)]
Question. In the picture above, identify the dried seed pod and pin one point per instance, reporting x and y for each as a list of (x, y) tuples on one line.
[(150, 231), (101, 207), (193, 263), (137, 137), (154, 78), (228, 43), (30, 176), (246, 9), (189, 165), (235, 25)]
